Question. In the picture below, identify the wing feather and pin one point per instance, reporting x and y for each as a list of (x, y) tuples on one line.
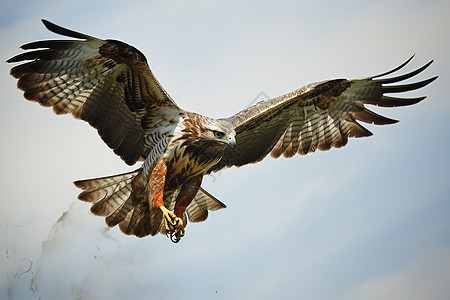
[(203, 201), (104, 82), (317, 116)]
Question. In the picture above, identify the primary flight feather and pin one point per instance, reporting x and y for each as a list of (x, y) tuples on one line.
[(109, 84)]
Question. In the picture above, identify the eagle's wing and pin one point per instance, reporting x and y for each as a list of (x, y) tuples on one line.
[(104, 82), (317, 116)]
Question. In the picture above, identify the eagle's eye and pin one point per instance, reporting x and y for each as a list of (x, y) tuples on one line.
[(219, 134)]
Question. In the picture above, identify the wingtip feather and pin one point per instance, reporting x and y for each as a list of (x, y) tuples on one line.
[(64, 31), (395, 69)]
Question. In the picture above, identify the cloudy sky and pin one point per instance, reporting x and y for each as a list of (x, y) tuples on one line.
[(369, 221)]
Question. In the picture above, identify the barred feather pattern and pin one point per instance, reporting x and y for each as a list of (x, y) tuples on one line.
[(112, 198), (107, 193), (318, 116), (110, 85), (104, 82), (203, 202)]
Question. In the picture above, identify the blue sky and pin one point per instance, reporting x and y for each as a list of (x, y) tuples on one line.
[(368, 221)]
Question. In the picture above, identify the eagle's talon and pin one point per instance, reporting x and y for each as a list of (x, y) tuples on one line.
[(174, 225), (174, 238), (170, 221), (177, 234), (169, 233)]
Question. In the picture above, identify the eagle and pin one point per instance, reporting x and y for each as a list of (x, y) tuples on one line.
[(109, 84)]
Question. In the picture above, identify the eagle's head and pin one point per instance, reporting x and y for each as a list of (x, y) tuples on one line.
[(219, 131), (207, 136)]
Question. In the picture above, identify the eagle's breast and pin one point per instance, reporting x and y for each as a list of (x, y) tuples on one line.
[(190, 153)]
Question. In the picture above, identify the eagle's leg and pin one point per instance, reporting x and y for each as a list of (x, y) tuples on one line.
[(187, 193), (156, 184)]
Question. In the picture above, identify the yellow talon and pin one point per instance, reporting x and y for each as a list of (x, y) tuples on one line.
[(174, 225)]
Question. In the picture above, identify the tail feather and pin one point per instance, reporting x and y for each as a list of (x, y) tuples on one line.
[(104, 187), (134, 223), (113, 197), (142, 222), (197, 210), (108, 205), (120, 214)]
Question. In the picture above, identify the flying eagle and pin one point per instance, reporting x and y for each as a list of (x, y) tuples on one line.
[(109, 84)]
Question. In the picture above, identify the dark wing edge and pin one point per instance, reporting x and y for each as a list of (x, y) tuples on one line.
[(104, 82), (317, 116)]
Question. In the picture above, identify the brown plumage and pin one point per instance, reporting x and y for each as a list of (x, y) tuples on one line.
[(110, 85)]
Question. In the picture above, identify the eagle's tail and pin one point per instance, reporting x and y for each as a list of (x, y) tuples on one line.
[(115, 198), (119, 200)]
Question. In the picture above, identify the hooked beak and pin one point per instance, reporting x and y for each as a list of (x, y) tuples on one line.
[(232, 142)]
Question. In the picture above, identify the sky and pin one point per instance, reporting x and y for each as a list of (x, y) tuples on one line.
[(367, 221)]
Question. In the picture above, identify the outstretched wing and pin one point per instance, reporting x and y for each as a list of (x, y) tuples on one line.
[(104, 82), (317, 116)]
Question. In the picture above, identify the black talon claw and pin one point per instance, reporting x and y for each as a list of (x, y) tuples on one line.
[(174, 238), (172, 231)]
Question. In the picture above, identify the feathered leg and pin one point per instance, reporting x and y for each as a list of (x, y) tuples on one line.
[(156, 184), (184, 198)]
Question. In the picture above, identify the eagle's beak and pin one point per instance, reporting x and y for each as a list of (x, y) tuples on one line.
[(232, 142)]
